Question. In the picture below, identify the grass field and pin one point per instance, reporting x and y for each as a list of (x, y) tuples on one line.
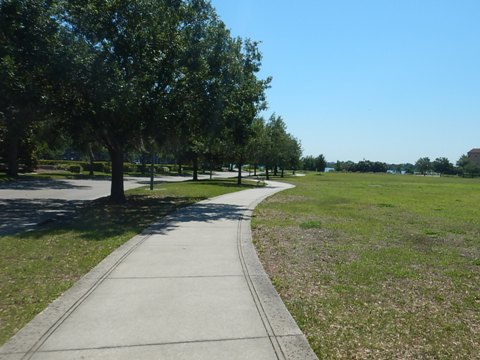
[(36, 267), (377, 266)]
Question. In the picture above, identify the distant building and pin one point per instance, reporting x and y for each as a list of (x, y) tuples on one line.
[(474, 156)]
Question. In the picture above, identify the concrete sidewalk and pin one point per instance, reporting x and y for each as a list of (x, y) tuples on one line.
[(190, 287)]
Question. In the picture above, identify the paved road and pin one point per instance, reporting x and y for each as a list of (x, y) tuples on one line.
[(27, 205), (190, 287)]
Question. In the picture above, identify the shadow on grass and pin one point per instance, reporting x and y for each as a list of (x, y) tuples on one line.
[(99, 220), (18, 215)]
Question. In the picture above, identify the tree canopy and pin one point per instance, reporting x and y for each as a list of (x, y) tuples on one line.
[(132, 76)]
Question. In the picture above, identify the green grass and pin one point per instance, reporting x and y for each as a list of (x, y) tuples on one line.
[(377, 266), (36, 267)]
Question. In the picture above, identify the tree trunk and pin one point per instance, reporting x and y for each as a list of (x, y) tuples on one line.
[(117, 194), (143, 159), (92, 159), (13, 143), (152, 171), (267, 175), (255, 170), (179, 168), (282, 173), (275, 170), (195, 168), (239, 176)]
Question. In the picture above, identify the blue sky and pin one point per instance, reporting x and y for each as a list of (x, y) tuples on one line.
[(379, 80)]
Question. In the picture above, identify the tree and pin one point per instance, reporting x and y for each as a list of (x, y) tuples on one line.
[(256, 143), (294, 153), (244, 97), (121, 72), (338, 166), (423, 165), (200, 89), (320, 163), (443, 166), (467, 168), (308, 163), (273, 149), (28, 37)]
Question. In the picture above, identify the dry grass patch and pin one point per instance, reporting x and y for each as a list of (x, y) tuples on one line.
[(378, 276)]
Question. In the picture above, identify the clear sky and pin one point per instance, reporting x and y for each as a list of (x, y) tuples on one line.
[(381, 80)]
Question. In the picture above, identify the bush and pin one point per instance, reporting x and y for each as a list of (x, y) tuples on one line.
[(98, 166), (129, 167), (75, 169), (64, 167)]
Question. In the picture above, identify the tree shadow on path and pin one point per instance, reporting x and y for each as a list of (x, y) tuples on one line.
[(39, 184)]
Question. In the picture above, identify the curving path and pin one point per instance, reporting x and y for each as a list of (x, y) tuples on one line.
[(190, 287), (26, 205)]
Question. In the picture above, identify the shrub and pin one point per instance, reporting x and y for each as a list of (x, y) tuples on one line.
[(75, 169), (129, 167), (98, 166)]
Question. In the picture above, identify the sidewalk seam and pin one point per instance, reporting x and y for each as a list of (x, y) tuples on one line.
[(156, 344), (76, 304)]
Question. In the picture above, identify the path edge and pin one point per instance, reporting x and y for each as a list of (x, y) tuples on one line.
[(282, 328)]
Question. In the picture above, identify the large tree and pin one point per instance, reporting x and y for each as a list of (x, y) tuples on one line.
[(256, 143), (123, 61), (28, 41), (320, 163), (245, 98), (199, 92), (423, 165), (443, 166)]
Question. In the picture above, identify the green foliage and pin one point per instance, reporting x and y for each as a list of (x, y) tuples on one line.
[(272, 146), (75, 169), (467, 168), (364, 166), (97, 166), (314, 164), (28, 40), (423, 165), (443, 166), (130, 76)]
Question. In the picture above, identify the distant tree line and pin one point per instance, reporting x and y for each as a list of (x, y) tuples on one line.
[(424, 166), (139, 76), (464, 167), (311, 163), (361, 166)]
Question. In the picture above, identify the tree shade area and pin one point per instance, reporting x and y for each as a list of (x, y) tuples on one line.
[(123, 77)]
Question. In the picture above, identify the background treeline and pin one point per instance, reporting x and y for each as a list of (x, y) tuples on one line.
[(133, 77), (442, 166)]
